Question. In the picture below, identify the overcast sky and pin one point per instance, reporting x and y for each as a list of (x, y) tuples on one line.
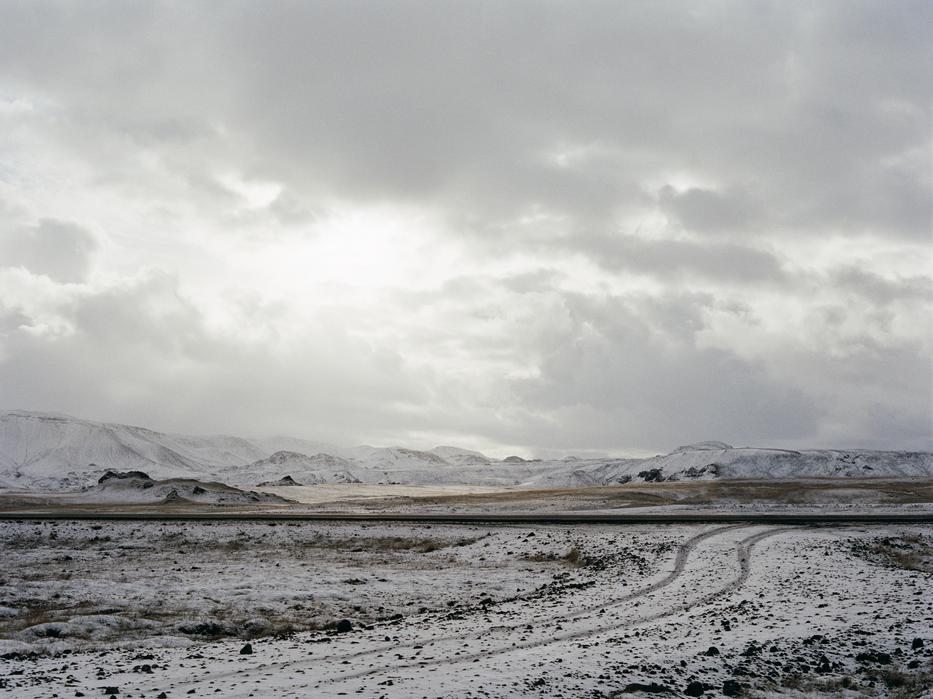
[(524, 226)]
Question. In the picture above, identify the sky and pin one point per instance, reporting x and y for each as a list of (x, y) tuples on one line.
[(531, 227)]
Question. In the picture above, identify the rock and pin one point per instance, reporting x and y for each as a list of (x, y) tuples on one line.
[(513, 460), (284, 481), (711, 651), (731, 688), (111, 690), (695, 689), (247, 649), (654, 475), (916, 644), (344, 625), (207, 628), (823, 667), (653, 688), (874, 656), (110, 475), (163, 695)]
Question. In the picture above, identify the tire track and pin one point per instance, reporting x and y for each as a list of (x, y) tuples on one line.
[(743, 552), (680, 561)]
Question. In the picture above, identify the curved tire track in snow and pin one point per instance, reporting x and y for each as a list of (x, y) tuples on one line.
[(743, 552), (680, 561)]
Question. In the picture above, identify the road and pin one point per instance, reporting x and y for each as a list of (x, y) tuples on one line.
[(488, 517)]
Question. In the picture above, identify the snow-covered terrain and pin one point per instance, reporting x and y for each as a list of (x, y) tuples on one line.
[(56, 452), (311, 609)]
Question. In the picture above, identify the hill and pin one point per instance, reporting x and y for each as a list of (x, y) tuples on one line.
[(42, 451)]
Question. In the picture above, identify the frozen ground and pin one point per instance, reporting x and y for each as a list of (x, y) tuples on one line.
[(460, 611)]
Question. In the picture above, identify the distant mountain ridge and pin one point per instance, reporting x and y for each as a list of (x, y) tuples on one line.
[(46, 451)]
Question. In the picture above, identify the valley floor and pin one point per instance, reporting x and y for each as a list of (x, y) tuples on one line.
[(407, 610)]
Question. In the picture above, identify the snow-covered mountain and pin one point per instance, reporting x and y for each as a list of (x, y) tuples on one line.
[(306, 470), (57, 452)]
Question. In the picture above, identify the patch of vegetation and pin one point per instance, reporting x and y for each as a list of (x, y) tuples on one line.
[(573, 557), (388, 543), (908, 552)]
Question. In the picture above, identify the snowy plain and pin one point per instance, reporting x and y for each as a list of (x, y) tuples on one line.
[(465, 611)]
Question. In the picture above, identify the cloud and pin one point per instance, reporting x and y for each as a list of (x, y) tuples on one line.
[(613, 224), (709, 211), (58, 249), (674, 257)]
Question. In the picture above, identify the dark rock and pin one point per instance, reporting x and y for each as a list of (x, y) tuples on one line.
[(282, 482), (824, 666), (655, 475), (653, 688), (247, 649), (110, 475), (917, 644), (731, 688), (711, 651), (172, 497), (208, 628), (111, 690), (874, 656), (695, 689), (344, 625)]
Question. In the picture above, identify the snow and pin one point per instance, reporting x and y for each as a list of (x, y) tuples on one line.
[(55, 452), (484, 611)]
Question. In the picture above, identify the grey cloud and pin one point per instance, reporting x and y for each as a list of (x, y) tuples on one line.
[(622, 373), (59, 249), (538, 134), (709, 211), (882, 290), (148, 356), (676, 257), (816, 110)]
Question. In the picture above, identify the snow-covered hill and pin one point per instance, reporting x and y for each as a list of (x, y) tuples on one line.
[(42, 451), (307, 470)]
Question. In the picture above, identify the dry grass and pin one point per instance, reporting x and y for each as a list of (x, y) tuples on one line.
[(908, 552), (572, 558)]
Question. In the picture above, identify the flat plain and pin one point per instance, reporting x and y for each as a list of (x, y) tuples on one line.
[(410, 610)]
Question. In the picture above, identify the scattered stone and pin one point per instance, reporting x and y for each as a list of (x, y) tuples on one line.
[(917, 644), (247, 649), (653, 688), (344, 625), (711, 651), (731, 688), (652, 475), (120, 475), (695, 689), (874, 656), (824, 666)]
